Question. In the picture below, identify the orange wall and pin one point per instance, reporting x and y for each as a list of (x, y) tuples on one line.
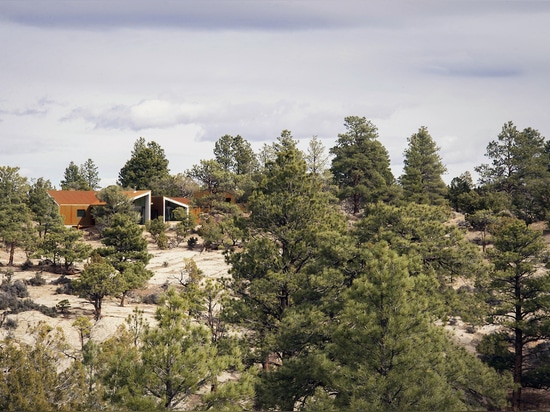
[(70, 218)]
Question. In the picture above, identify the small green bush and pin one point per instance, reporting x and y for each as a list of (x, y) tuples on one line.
[(37, 280), (10, 324), (192, 242), (152, 299)]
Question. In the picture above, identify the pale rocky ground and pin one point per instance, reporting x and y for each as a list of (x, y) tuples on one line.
[(165, 264)]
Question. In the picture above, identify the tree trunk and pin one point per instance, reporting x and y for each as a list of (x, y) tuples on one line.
[(518, 363), (518, 348), (97, 309), (12, 253)]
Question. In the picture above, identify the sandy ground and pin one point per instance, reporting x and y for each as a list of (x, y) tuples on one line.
[(165, 264)]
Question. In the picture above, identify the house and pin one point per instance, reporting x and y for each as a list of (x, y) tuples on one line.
[(76, 205), (164, 206)]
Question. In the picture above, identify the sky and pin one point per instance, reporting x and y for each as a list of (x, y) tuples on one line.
[(84, 79)]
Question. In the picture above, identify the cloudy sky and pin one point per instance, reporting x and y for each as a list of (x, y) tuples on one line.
[(84, 79)]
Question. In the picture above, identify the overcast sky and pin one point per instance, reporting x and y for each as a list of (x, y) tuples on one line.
[(85, 79)]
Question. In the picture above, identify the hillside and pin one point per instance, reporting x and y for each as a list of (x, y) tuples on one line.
[(165, 264)]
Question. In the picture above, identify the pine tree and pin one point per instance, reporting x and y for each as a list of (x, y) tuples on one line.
[(126, 249), (177, 355), (519, 170), (89, 172), (361, 165), (421, 179), (16, 227), (284, 279), (98, 280), (520, 293), (73, 179), (147, 162), (44, 210), (389, 355)]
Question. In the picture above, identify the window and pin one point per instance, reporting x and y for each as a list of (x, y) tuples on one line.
[(80, 213)]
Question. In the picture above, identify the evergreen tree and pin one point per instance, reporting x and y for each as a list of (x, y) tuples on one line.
[(235, 155), (519, 170), (177, 356), (520, 293), (16, 227), (116, 202), (439, 250), (66, 244), (316, 158), (211, 176), (126, 250), (30, 380), (389, 355), (98, 280), (461, 193), (147, 162), (361, 165), (89, 172), (73, 179), (177, 185), (284, 278), (421, 179), (44, 210)]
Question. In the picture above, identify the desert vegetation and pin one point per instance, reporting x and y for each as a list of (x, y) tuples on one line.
[(329, 285)]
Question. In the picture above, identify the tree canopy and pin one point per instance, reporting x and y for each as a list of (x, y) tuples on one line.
[(147, 162), (361, 164), (421, 179)]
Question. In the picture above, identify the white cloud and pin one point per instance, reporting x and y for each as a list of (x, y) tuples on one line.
[(84, 79)]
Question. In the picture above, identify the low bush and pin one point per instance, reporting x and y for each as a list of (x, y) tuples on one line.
[(65, 286), (37, 280), (17, 288), (10, 324), (151, 299)]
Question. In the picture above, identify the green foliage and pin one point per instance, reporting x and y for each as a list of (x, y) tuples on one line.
[(73, 179), (235, 155), (361, 165), (177, 185), (192, 242), (422, 233), (519, 170), (30, 381), (64, 244), (147, 162), (89, 172), (186, 223), (458, 190), (124, 242), (126, 250), (482, 221), (98, 280), (519, 291), (176, 355), (63, 306), (116, 202), (316, 158), (16, 227), (421, 179), (43, 208), (384, 342), (494, 350), (211, 176), (284, 279), (157, 228)]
